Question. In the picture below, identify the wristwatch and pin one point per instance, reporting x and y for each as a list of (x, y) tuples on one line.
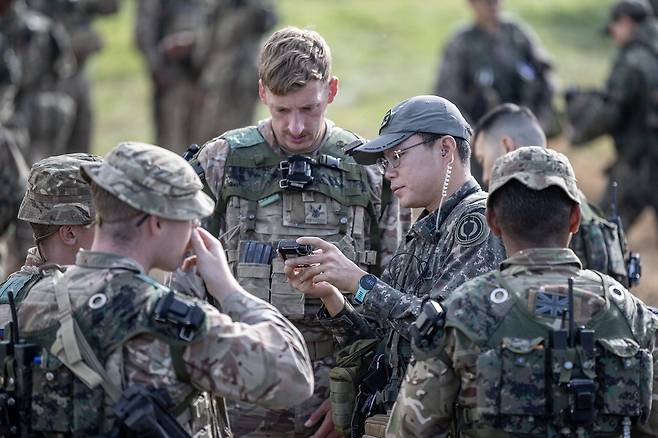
[(366, 283)]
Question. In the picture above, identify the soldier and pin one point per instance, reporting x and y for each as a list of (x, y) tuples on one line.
[(493, 61), (58, 207), (76, 17), (423, 149), (44, 57), (627, 109), (599, 243), (14, 168), (511, 361), (201, 55), (108, 327), (285, 178)]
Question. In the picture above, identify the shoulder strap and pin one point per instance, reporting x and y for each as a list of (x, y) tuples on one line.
[(243, 137), (73, 350), (16, 284)]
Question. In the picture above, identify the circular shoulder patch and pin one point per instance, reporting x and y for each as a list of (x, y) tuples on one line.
[(472, 229), (499, 295)]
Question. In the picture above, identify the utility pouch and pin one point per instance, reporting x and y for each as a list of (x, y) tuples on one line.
[(254, 268), (625, 374), (351, 364)]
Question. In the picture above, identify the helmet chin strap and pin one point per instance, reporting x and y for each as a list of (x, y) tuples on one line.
[(444, 192)]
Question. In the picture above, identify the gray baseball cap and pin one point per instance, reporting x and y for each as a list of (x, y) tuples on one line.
[(426, 114)]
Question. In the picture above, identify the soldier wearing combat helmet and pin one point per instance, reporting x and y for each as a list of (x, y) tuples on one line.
[(58, 207), (539, 347), (114, 333)]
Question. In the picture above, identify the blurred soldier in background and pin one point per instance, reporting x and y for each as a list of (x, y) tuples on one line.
[(76, 17), (493, 61), (45, 57), (12, 138), (58, 207), (626, 109), (202, 58), (600, 244)]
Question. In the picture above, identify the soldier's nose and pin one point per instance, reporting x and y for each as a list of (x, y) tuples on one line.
[(296, 125)]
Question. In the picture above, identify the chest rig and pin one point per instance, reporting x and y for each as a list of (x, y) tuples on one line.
[(566, 381), (70, 383), (268, 196)]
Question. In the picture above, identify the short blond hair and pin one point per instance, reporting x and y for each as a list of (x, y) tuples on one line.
[(293, 57)]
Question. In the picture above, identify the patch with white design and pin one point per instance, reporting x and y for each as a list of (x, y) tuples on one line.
[(472, 230), (316, 213)]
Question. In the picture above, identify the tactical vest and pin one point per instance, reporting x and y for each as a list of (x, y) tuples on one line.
[(19, 284), (529, 384), (62, 403), (600, 245), (267, 197)]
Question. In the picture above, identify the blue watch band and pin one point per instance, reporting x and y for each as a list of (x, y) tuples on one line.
[(366, 283)]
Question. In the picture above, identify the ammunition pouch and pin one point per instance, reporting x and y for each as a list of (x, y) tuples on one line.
[(375, 426), (344, 379), (146, 411)]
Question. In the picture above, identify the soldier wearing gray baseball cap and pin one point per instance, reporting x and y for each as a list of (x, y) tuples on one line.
[(426, 114)]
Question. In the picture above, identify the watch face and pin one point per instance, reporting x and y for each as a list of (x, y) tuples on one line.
[(368, 281)]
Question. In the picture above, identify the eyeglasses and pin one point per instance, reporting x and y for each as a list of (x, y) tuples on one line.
[(383, 163)]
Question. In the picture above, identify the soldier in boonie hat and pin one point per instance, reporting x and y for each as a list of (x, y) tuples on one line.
[(536, 168), (58, 207), (152, 180)]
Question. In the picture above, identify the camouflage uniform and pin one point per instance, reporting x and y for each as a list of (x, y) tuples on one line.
[(427, 264), (480, 71), (499, 361), (76, 17), (211, 87), (56, 195), (248, 352), (241, 170), (627, 109), (45, 57)]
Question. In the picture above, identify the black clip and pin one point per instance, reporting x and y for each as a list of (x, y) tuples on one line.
[(188, 316)]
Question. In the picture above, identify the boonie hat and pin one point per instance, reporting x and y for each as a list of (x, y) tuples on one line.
[(153, 180), (56, 194), (426, 114), (536, 168)]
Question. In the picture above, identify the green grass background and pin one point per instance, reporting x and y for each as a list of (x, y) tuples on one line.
[(384, 51)]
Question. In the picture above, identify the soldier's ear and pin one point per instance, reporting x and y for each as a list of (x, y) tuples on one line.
[(67, 235), (492, 221), (574, 218), (508, 144), (333, 89), (261, 92)]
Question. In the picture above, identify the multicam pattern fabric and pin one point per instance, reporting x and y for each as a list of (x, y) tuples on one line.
[(250, 352), (490, 370), (153, 180), (428, 264), (20, 283), (57, 194), (536, 168), (272, 223), (626, 109)]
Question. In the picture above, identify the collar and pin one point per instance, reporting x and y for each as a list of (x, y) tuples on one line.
[(104, 260), (426, 223), (543, 257), (265, 129)]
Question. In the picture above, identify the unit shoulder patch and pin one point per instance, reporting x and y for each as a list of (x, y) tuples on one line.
[(472, 229)]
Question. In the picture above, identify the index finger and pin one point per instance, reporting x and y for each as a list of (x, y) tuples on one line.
[(315, 241)]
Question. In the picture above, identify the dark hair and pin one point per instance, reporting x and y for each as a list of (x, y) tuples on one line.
[(517, 122), (463, 147), (534, 216)]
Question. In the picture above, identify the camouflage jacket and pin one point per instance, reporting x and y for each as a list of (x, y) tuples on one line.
[(488, 378), (76, 17), (480, 70), (627, 108), (20, 283), (12, 179), (248, 352), (426, 265)]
